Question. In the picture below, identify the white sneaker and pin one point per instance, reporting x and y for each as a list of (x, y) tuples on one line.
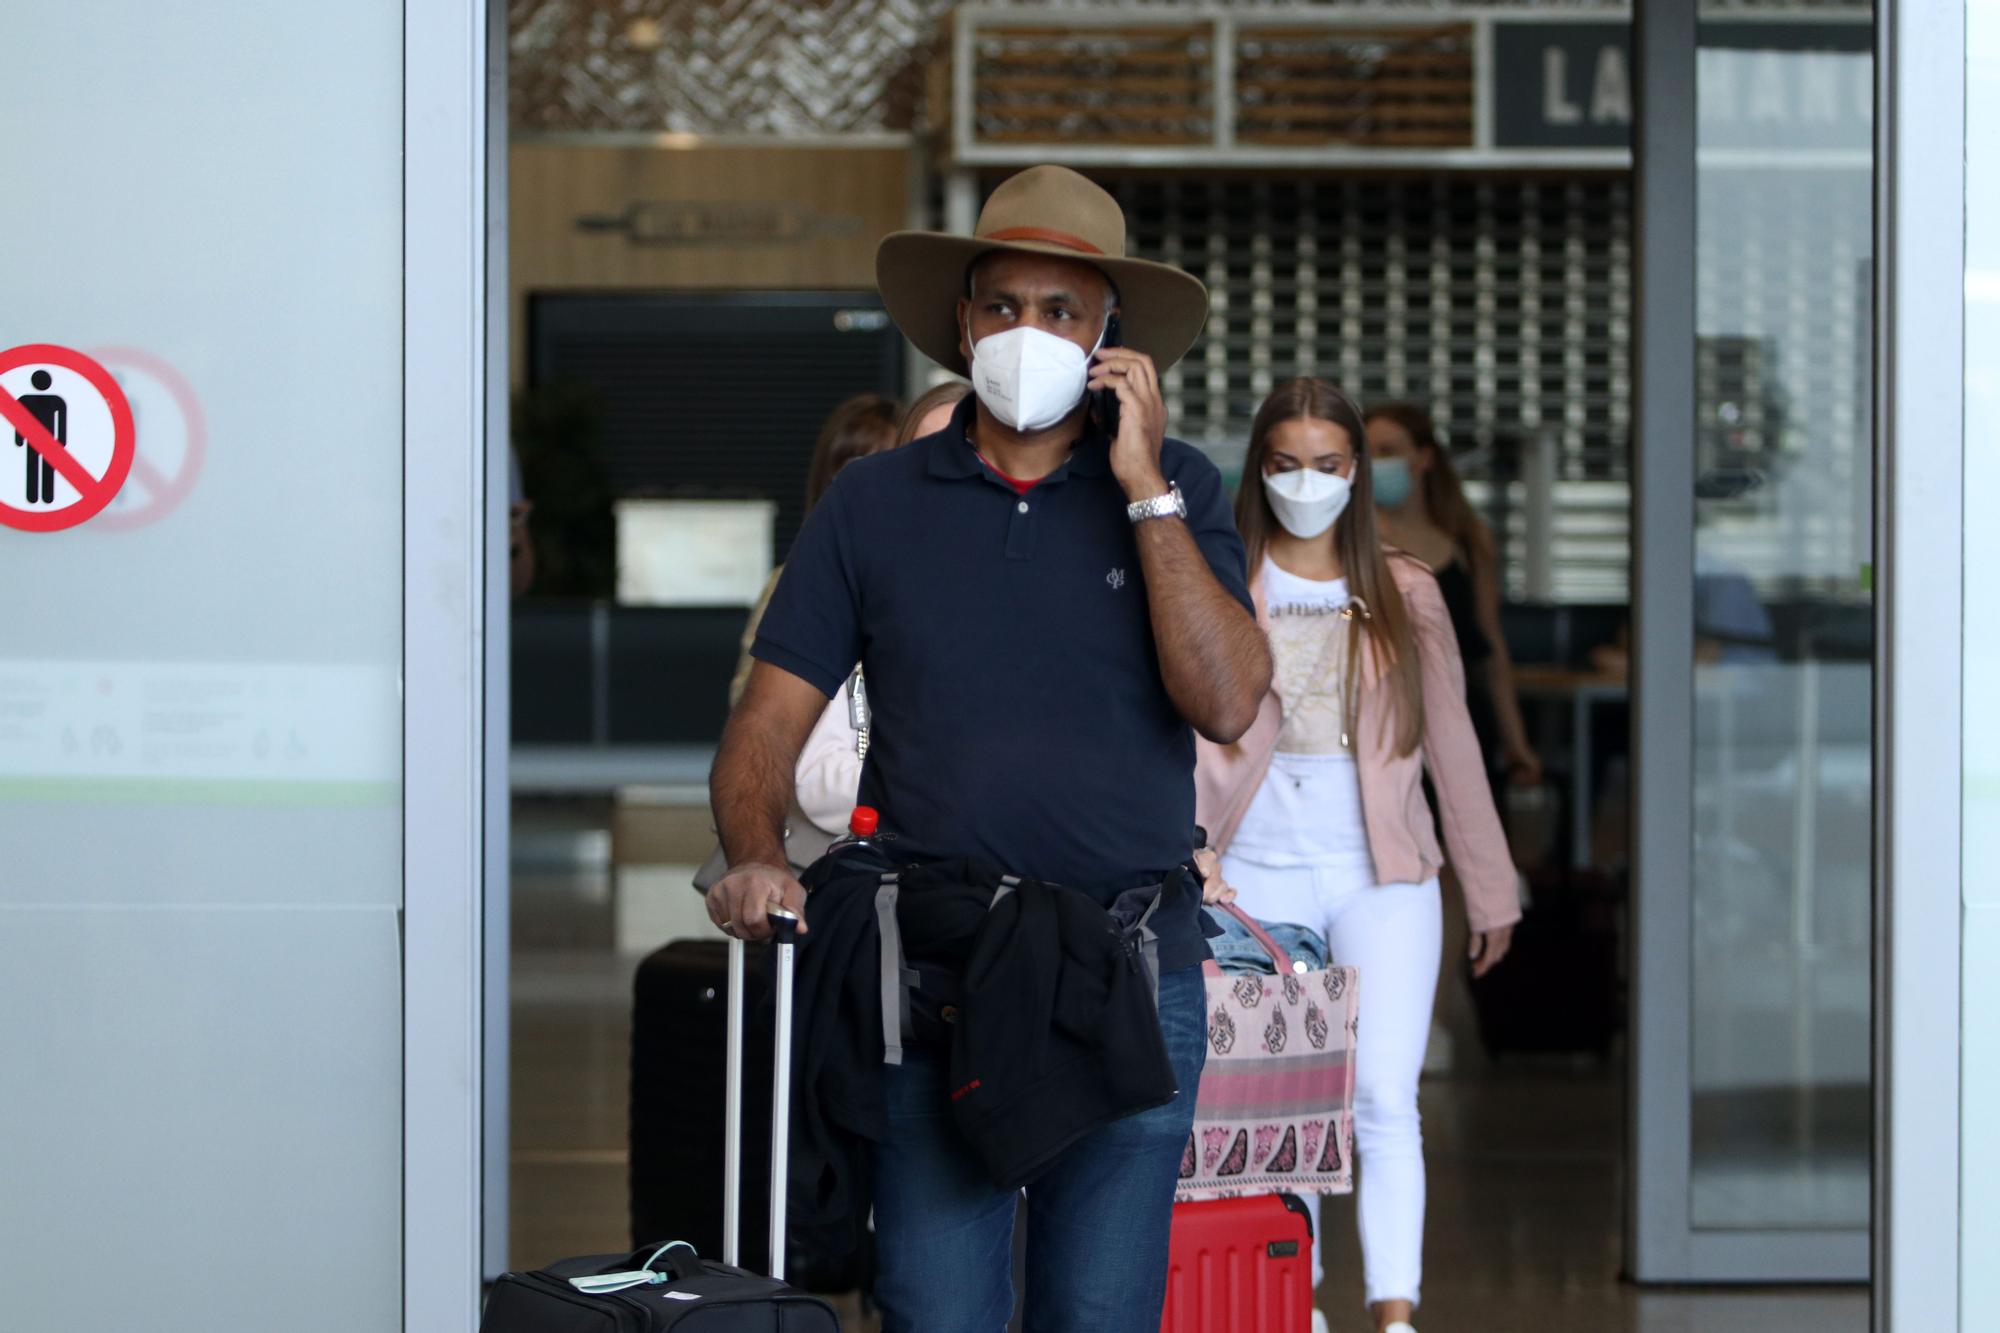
[(1319, 1321), (1401, 1326)]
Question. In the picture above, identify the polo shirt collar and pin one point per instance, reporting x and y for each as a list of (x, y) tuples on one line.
[(953, 458)]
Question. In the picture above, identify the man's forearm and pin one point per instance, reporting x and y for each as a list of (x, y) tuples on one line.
[(750, 793), (1214, 661)]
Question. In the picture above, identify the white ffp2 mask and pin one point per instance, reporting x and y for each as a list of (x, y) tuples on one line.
[(1028, 379), (1307, 501)]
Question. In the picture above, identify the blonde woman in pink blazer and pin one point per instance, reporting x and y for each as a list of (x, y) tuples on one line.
[(1319, 811)]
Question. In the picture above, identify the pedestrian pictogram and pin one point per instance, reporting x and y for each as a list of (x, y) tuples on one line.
[(171, 433), (71, 427)]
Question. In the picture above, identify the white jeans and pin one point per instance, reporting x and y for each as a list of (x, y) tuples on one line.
[(1393, 933)]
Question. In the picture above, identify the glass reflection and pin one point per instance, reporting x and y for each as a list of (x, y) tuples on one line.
[(1783, 628)]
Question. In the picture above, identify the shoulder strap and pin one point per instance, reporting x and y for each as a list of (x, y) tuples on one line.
[(896, 976)]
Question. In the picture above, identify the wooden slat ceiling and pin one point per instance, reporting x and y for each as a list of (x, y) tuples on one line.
[(1382, 85), (1137, 85)]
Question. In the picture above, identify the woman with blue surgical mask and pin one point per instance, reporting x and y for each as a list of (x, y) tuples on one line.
[(1420, 507), (1317, 811)]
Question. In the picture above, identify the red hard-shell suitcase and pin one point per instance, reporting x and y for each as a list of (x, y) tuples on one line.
[(1240, 1266)]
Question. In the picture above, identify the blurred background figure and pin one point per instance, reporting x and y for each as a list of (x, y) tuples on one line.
[(1421, 508), (829, 768), (932, 409), (865, 424), (830, 765)]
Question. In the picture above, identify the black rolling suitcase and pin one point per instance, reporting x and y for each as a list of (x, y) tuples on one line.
[(679, 1070), (670, 1285)]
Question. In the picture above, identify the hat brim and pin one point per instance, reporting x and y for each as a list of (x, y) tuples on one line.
[(921, 275)]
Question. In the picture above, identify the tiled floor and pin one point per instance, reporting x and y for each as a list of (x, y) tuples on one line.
[(1525, 1169)]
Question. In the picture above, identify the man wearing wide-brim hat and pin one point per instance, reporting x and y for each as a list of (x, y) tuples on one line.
[(1048, 598)]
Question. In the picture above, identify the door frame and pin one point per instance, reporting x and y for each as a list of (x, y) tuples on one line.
[(448, 582), (1920, 62), (1659, 1232)]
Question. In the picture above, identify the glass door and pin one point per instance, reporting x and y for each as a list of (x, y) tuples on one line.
[(1755, 623), (201, 795), (242, 362)]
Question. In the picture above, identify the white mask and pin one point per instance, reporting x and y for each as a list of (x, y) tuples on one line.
[(1307, 501), (1029, 379)]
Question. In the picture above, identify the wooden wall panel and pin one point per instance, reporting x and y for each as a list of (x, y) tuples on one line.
[(585, 217)]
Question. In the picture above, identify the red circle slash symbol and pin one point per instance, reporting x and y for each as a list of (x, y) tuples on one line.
[(171, 440), (94, 490)]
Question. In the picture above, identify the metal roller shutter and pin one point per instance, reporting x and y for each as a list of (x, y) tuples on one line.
[(1501, 304)]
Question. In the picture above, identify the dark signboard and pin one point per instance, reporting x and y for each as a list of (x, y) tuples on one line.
[(1562, 85), (1570, 85)]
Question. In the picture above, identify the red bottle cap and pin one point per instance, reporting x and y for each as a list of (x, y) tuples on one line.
[(865, 820)]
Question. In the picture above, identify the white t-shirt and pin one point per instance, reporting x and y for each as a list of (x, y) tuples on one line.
[(1308, 810), (1309, 647)]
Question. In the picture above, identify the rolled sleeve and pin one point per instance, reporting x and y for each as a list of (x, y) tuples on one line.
[(812, 628)]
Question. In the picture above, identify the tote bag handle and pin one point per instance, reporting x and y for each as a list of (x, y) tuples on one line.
[(1279, 958)]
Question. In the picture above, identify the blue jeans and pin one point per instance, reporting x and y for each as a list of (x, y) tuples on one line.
[(1098, 1219), (1236, 950)]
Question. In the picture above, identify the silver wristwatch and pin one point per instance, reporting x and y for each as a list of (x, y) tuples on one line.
[(1170, 505)]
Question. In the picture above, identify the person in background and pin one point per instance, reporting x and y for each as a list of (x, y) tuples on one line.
[(829, 771), (1318, 810), (932, 411), (829, 768), (1421, 508), (862, 425), (1731, 623), (1732, 627)]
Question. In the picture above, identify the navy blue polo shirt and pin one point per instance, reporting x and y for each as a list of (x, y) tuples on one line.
[(1019, 715)]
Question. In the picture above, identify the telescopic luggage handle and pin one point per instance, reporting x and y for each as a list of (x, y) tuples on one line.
[(784, 934)]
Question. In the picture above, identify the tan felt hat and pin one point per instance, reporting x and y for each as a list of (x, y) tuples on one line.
[(1047, 211)]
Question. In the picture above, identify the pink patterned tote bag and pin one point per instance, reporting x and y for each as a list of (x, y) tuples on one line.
[(1275, 1112)]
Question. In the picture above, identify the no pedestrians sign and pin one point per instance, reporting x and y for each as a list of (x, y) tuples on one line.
[(71, 429)]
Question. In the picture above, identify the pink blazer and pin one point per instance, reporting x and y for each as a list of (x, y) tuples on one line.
[(1402, 837)]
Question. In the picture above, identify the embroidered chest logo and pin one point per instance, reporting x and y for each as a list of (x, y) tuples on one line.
[(1116, 578)]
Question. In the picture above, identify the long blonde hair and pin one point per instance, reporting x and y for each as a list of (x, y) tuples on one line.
[(1392, 638)]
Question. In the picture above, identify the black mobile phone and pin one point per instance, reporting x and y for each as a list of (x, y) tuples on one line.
[(1104, 402)]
